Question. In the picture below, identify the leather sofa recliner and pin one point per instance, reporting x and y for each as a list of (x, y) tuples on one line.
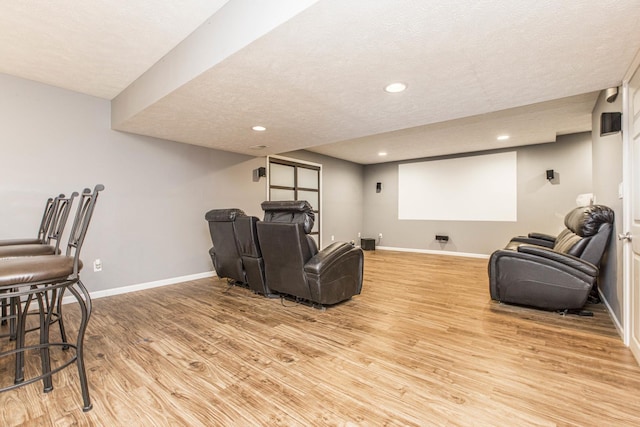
[(553, 273), (225, 253), (293, 264), (236, 251), (252, 260)]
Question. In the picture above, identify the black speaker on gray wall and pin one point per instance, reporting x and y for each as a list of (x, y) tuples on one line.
[(610, 123), (378, 187), (550, 174)]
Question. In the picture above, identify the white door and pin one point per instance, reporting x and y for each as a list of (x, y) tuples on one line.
[(633, 140)]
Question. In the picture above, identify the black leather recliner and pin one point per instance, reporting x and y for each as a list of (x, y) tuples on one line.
[(553, 273), (236, 252), (293, 265), (225, 253), (252, 260)]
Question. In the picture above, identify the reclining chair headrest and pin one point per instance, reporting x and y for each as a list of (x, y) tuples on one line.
[(223, 215), (585, 221), (291, 212)]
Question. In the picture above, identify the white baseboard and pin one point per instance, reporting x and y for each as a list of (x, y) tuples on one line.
[(433, 252), (142, 286)]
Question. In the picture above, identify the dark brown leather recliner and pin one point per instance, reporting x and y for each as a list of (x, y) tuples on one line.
[(553, 273), (225, 253), (293, 265), (236, 252)]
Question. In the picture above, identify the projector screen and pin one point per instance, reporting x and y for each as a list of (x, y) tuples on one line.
[(475, 188)]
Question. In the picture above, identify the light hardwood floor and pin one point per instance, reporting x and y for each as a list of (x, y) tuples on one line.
[(422, 345)]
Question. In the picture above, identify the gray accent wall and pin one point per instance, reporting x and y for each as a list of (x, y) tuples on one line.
[(542, 205), (149, 222), (342, 196), (607, 175)]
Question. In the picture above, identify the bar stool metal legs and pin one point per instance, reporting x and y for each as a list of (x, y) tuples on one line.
[(47, 297), (84, 301)]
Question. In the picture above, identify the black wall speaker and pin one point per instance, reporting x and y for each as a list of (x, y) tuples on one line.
[(610, 123), (262, 172), (550, 174), (378, 187)]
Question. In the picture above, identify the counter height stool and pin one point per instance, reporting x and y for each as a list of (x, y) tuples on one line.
[(50, 208), (48, 242), (44, 279), (51, 232)]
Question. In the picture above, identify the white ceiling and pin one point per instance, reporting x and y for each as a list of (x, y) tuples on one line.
[(474, 70), (97, 47)]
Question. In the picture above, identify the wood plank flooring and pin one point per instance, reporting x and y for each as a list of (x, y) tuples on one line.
[(423, 345)]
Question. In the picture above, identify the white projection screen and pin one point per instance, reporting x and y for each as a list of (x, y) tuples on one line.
[(475, 188)]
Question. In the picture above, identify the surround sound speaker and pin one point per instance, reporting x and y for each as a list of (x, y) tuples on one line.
[(610, 123)]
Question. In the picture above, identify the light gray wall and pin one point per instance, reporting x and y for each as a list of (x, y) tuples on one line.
[(542, 205), (149, 222), (342, 196), (607, 174)]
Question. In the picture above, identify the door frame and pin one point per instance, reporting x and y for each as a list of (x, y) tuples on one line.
[(627, 248), (627, 208)]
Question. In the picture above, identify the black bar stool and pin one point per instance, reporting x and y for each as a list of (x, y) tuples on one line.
[(52, 226), (45, 279)]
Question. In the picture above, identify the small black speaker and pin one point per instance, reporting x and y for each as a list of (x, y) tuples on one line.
[(550, 174), (378, 187), (368, 244), (262, 172), (610, 123)]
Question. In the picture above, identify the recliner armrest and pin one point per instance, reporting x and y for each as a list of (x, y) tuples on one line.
[(335, 273), (516, 241), (566, 259), (542, 236), (326, 257)]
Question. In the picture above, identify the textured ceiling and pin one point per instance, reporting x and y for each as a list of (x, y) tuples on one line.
[(97, 47), (532, 124), (315, 80)]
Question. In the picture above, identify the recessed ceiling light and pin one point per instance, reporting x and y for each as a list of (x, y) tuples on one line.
[(503, 137), (259, 128), (382, 153), (395, 87), (258, 147)]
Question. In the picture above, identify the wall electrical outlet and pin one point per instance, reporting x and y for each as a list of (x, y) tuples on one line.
[(97, 265), (380, 236), (333, 237)]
